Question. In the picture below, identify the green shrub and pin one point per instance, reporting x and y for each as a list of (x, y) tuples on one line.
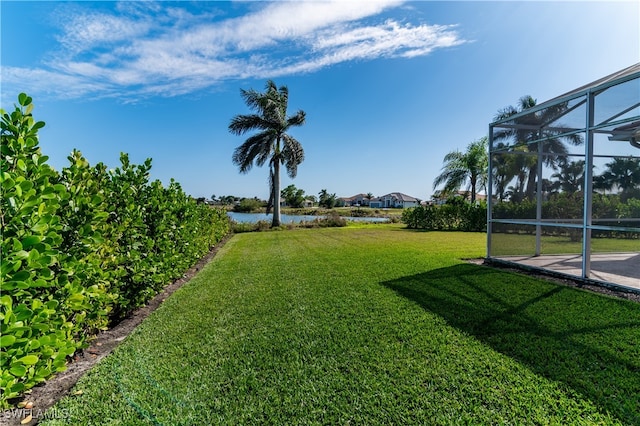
[(43, 308), (455, 215), (333, 219), (261, 225), (248, 205), (608, 209), (81, 248)]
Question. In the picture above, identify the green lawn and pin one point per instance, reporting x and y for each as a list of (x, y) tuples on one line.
[(368, 325), (524, 244)]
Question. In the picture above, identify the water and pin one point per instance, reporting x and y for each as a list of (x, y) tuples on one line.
[(287, 218)]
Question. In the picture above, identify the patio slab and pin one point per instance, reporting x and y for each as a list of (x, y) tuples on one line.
[(622, 269)]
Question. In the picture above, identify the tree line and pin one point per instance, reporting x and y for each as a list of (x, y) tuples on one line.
[(291, 196)]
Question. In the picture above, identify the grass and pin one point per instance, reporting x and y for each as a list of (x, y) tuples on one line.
[(368, 325), (524, 244)]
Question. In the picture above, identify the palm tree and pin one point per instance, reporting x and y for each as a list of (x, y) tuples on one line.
[(369, 197), (271, 143), (327, 200), (621, 173), (468, 167), (507, 165), (530, 128), (570, 177)]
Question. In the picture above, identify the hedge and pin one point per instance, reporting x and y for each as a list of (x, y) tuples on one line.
[(82, 248), (455, 215), (460, 215), (607, 210)]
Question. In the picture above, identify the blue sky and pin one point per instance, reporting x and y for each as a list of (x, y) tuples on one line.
[(389, 87)]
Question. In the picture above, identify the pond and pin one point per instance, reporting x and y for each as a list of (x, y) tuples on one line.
[(287, 218)]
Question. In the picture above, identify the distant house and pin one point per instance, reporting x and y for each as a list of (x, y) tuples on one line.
[(356, 200), (394, 200)]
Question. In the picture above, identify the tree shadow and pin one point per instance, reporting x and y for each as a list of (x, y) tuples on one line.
[(589, 342), (625, 264)]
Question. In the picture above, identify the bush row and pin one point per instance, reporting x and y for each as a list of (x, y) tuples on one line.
[(571, 206), (455, 215), (607, 210), (81, 248), (459, 215)]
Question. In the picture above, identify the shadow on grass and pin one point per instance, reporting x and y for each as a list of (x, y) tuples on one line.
[(588, 342)]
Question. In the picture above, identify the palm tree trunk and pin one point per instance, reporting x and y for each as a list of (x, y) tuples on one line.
[(474, 179), (531, 182), (276, 193)]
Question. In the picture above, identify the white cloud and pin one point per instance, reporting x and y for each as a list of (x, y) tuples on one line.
[(84, 32), (56, 83), (147, 49), (388, 40)]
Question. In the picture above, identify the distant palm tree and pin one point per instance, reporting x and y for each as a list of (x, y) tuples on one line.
[(621, 173), (570, 177), (327, 200), (465, 167), (521, 164), (530, 128), (369, 197), (508, 164), (271, 143)]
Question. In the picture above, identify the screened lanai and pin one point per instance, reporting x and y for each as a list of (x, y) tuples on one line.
[(565, 183)]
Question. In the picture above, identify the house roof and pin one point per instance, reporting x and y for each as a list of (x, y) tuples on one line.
[(400, 196), (354, 197)]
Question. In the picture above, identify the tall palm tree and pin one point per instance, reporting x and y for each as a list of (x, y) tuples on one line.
[(271, 143), (531, 128), (465, 167)]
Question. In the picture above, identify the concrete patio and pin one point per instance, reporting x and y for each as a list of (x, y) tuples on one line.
[(621, 269)]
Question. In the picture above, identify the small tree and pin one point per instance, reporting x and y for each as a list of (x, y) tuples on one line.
[(369, 197), (327, 200), (293, 196), (227, 199), (247, 205)]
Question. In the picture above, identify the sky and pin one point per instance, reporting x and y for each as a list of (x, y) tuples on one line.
[(389, 87)]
